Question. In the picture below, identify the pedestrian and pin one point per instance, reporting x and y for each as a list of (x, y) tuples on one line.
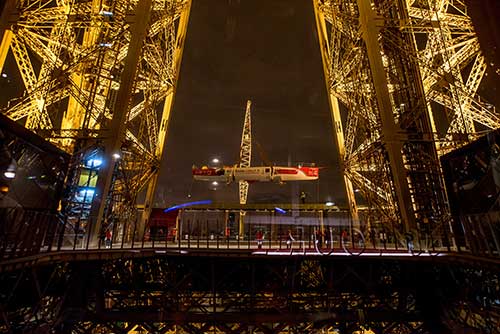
[(289, 239), (174, 234), (319, 238), (343, 238), (108, 237), (383, 238), (373, 237), (328, 237), (409, 241), (303, 197), (258, 237)]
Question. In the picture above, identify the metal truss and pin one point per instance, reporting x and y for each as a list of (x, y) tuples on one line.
[(245, 159), (100, 73), (224, 295), (246, 150), (407, 75)]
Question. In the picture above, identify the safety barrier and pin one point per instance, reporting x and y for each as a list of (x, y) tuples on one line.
[(28, 232)]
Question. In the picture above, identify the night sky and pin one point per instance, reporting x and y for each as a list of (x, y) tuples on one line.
[(265, 51)]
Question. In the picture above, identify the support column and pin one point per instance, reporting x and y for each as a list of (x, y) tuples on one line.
[(167, 108), (322, 226), (5, 32), (335, 110), (4, 47), (392, 144), (226, 225), (274, 227), (117, 129), (241, 225)]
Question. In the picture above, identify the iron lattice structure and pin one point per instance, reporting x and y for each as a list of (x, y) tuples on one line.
[(99, 75), (170, 294), (407, 75)]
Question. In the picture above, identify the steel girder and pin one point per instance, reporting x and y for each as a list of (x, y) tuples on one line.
[(259, 295)]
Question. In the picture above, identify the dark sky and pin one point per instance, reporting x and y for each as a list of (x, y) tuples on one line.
[(261, 50), (484, 15)]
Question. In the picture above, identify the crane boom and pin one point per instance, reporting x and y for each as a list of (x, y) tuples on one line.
[(246, 151)]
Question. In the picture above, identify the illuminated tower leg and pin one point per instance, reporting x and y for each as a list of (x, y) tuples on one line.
[(5, 32), (167, 108), (389, 128), (113, 144), (335, 112), (4, 47)]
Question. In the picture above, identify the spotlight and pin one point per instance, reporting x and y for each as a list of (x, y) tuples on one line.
[(10, 171), (117, 156), (329, 204), (9, 174)]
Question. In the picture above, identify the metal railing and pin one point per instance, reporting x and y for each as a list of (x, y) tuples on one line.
[(28, 232)]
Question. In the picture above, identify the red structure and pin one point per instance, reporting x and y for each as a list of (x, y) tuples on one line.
[(162, 226)]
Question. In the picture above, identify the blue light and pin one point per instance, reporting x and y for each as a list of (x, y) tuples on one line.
[(180, 206), (94, 162), (280, 210), (87, 192)]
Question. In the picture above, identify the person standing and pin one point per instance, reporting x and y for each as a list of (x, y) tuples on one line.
[(303, 197), (258, 237), (289, 239), (409, 241), (319, 238), (383, 238), (344, 238), (108, 237), (327, 236)]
